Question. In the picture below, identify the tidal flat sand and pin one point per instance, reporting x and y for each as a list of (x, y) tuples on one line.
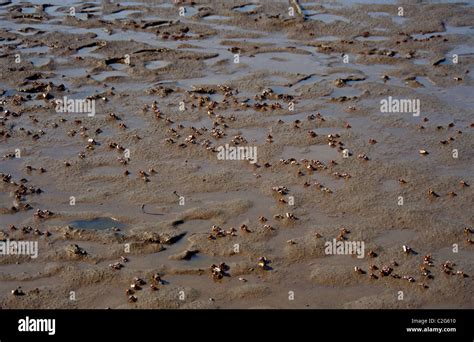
[(131, 204)]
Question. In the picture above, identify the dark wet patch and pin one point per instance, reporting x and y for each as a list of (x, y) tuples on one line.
[(177, 223)]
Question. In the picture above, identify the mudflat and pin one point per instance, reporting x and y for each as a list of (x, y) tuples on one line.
[(345, 181)]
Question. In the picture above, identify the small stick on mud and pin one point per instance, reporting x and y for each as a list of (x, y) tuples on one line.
[(143, 211), (300, 80)]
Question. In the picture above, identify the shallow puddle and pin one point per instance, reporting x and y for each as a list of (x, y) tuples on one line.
[(39, 61), (216, 17), (153, 65), (328, 18), (102, 76), (245, 8), (100, 223)]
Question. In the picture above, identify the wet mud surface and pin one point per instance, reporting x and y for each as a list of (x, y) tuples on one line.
[(132, 208)]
